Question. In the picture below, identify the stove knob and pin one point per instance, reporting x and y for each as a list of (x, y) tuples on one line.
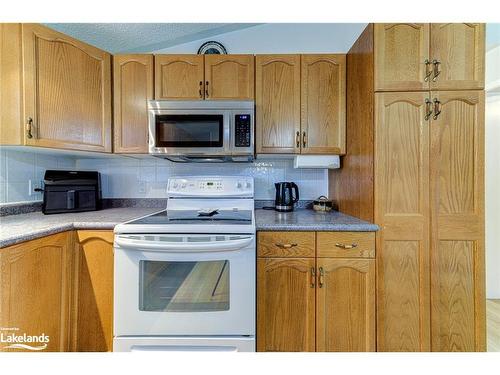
[(249, 185), (175, 185), (239, 185)]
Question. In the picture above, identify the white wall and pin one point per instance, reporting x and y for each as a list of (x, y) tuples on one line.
[(147, 178), (282, 38), (17, 168)]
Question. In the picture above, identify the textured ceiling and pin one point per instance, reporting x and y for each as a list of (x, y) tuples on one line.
[(143, 37)]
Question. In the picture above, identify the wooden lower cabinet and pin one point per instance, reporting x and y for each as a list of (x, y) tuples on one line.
[(93, 320), (35, 294), (312, 303)]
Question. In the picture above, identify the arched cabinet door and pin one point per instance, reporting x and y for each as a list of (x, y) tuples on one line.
[(458, 48), (285, 305), (179, 77), (229, 77), (345, 314), (133, 87), (67, 92)]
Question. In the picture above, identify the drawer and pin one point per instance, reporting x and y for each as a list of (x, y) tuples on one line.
[(346, 244), (286, 244)]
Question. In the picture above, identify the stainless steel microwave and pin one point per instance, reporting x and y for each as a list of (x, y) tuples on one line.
[(202, 131)]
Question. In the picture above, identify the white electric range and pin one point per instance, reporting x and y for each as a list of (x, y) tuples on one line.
[(185, 276)]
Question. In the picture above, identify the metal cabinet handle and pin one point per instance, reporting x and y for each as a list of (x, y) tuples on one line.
[(428, 69), (437, 108), (200, 91), (206, 89), (347, 247), (297, 139), (321, 276), (428, 108), (437, 71), (313, 277), (29, 128), (286, 245), (304, 139)]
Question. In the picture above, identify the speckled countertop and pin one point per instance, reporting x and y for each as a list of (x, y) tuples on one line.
[(306, 219), (24, 227)]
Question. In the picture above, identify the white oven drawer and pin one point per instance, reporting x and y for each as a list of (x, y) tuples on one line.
[(184, 284), (184, 344)]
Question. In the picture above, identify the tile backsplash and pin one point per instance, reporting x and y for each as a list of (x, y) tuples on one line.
[(18, 168), (147, 178)]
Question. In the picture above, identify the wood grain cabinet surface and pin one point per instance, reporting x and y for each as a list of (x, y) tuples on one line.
[(36, 290), (133, 86), (179, 77), (229, 77), (67, 91)]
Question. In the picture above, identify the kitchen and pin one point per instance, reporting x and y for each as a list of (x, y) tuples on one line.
[(310, 192)]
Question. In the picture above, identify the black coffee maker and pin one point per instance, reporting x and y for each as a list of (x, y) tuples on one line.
[(285, 197)]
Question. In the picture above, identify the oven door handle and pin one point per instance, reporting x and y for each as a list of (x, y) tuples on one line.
[(182, 247)]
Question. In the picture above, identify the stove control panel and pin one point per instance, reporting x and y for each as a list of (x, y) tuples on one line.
[(222, 186)]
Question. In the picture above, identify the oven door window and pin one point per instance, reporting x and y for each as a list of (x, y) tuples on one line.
[(184, 286), (189, 130)]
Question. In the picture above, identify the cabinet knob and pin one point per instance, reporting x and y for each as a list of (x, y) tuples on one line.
[(313, 277), (437, 71), (428, 108), (200, 91), (437, 108), (304, 139), (297, 139), (347, 247), (29, 128), (321, 277), (206, 89), (428, 69), (286, 245)]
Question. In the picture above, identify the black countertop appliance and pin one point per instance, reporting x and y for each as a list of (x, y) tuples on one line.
[(287, 194), (71, 191)]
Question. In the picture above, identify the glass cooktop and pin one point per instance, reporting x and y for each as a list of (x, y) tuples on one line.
[(237, 217)]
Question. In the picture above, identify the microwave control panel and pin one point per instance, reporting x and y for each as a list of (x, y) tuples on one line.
[(242, 131)]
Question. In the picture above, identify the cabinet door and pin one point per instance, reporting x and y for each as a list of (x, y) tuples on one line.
[(179, 77), (459, 49), (133, 87), (323, 104), (67, 91), (35, 291), (345, 316), (401, 51), (93, 329), (285, 305), (277, 100), (457, 238), (229, 77), (402, 212)]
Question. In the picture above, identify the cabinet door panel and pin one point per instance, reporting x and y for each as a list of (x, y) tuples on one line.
[(457, 237), (459, 47), (36, 290), (401, 50), (67, 91), (402, 211), (285, 305), (323, 104), (179, 77), (133, 87), (277, 100), (229, 77), (346, 305), (93, 329)]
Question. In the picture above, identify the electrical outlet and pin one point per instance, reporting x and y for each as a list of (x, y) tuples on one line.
[(32, 185)]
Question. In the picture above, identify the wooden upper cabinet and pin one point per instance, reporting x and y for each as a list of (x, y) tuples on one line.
[(402, 212), (93, 323), (67, 91), (285, 305), (459, 49), (277, 101), (229, 77), (36, 290), (401, 51), (345, 305), (457, 217), (323, 107), (133, 87), (179, 77)]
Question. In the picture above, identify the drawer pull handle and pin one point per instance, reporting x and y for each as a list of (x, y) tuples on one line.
[(313, 277), (321, 274), (344, 246), (286, 245)]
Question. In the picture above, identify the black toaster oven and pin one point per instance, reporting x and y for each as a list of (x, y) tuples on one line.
[(71, 191)]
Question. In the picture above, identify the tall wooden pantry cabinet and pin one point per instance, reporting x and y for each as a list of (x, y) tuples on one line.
[(415, 166)]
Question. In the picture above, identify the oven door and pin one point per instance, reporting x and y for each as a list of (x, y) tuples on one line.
[(184, 284), (200, 132)]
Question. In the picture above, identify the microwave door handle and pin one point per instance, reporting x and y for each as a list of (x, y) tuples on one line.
[(195, 247)]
